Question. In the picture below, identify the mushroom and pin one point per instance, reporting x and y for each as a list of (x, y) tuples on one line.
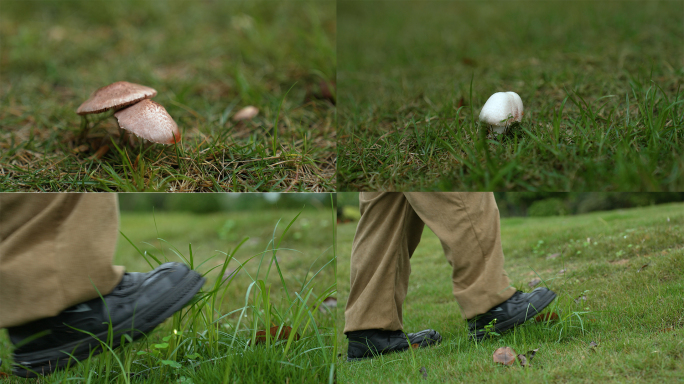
[(150, 121), (501, 110), (136, 113), (116, 95), (246, 113)]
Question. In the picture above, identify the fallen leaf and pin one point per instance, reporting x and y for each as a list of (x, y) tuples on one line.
[(284, 334), (592, 346), (469, 62), (3, 374), (246, 113), (552, 256), (549, 316), (642, 267), (424, 372), (562, 271), (82, 148), (526, 359), (619, 262), (534, 282), (415, 345), (504, 355), (668, 329), (523, 360)]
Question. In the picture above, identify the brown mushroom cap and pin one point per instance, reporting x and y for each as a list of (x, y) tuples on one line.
[(116, 95), (150, 121)]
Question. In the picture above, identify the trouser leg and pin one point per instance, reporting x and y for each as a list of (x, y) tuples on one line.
[(467, 225), (56, 250), (389, 230), (386, 236)]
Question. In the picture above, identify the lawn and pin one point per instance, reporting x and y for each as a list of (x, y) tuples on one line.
[(206, 59), (601, 83), (217, 347), (621, 288)]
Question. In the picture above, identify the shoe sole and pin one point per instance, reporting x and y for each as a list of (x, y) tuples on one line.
[(521, 317), (47, 361)]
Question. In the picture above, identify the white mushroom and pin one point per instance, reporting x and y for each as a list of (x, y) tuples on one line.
[(501, 110), (150, 121), (246, 113)]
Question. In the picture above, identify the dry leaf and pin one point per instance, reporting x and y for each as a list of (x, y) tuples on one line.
[(284, 334), (3, 375), (526, 359), (552, 256), (549, 316), (534, 282), (246, 113), (504, 355), (424, 372), (562, 271), (415, 345), (643, 267), (592, 346)]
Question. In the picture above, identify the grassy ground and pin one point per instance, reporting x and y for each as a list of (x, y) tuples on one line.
[(209, 349), (601, 82), (626, 264), (206, 59)]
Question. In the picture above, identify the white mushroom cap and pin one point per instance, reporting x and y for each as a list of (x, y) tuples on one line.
[(501, 110), (150, 121), (246, 113), (116, 95)]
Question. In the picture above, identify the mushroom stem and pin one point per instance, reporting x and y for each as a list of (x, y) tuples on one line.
[(84, 128)]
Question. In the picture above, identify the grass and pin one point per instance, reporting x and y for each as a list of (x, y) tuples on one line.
[(602, 84), (213, 340), (207, 60), (625, 264)]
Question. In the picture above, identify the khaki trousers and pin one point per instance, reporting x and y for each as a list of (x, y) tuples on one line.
[(391, 224), (55, 250)]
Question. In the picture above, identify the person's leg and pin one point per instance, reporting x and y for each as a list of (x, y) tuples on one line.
[(56, 250), (467, 224), (55, 262), (387, 235)]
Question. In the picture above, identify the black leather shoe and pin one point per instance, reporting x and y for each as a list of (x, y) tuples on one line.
[(514, 311), (136, 306), (372, 342)]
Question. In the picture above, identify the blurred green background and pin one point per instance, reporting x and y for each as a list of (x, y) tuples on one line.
[(195, 52), (403, 56), (214, 224)]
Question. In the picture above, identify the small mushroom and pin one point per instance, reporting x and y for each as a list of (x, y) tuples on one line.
[(150, 121), (246, 113), (501, 110), (116, 95)]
